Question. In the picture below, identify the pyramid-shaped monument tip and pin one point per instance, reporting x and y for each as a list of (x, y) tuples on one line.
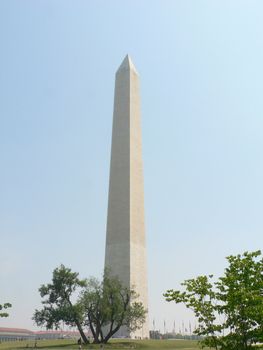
[(127, 64)]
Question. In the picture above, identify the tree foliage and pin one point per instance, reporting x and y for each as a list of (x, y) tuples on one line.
[(108, 306), (102, 306), (4, 307), (230, 310), (58, 302)]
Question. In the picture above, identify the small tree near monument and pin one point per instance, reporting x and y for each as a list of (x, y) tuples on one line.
[(58, 305), (108, 305), (103, 306)]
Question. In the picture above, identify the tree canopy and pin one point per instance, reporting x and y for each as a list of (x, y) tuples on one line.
[(230, 310), (109, 305), (103, 306), (58, 302), (4, 307)]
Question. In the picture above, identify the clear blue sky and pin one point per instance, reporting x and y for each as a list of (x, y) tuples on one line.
[(200, 64)]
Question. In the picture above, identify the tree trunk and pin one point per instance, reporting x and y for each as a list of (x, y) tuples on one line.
[(110, 334), (81, 332), (97, 334), (95, 338)]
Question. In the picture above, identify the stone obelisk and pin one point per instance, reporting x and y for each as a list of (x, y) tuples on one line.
[(125, 243)]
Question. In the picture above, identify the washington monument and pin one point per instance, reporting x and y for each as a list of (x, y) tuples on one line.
[(125, 254)]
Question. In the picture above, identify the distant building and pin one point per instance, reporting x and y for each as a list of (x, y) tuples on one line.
[(13, 334), (57, 335)]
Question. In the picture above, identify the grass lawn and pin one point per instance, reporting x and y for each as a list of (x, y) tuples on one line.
[(113, 345)]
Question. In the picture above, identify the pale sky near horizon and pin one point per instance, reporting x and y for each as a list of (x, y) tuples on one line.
[(200, 66)]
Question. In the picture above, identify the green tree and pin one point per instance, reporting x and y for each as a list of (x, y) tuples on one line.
[(108, 305), (240, 293), (102, 306), (4, 307), (200, 297), (58, 305), (237, 298)]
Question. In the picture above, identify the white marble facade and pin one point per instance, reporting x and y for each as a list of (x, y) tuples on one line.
[(125, 243)]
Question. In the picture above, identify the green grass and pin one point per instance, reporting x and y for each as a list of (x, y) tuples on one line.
[(113, 345)]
